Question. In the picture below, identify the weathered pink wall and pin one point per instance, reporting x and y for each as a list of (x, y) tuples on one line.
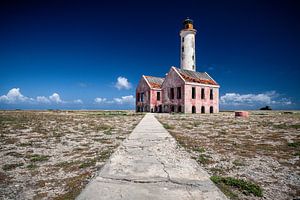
[(154, 102), (172, 80), (143, 87), (198, 102)]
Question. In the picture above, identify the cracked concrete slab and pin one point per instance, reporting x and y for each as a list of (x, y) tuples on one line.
[(150, 165)]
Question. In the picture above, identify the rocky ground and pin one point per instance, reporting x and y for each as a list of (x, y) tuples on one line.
[(54, 154), (242, 155)]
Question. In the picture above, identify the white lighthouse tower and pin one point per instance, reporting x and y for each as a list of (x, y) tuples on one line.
[(188, 56)]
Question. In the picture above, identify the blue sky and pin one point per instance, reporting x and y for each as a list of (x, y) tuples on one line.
[(91, 54)]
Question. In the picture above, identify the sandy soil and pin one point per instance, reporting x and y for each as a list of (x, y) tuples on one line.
[(263, 149), (54, 154)]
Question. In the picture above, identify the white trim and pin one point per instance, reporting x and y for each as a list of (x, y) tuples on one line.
[(201, 84), (156, 89), (178, 73), (210, 77), (147, 81)]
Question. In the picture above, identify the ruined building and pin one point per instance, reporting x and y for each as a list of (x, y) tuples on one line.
[(182, 90)]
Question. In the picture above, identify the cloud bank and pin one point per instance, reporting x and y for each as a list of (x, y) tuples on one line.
[(125, 100), (267, 98), (14, 96)]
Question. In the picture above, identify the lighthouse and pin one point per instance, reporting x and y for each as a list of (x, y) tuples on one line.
[(188, 56)]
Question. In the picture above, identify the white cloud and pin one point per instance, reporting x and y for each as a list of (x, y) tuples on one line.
[(42, 99), (14, 96), (122, 100), (55, 98), (122, 83), (78, 101), (125, 100), (100, 100), (267, 98)]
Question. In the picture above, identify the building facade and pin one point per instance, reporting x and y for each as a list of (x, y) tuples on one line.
[(182, 90)]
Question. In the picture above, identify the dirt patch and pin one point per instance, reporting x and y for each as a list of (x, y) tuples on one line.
[(54, 154), (263, 149)]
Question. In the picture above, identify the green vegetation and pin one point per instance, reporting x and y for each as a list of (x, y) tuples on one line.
[(32, 166), (199, 149), (15, 154), (108, 131), (202, 158), (238, 162), (246, 187), (167, 126), (104, 155), (12, 166), (38, 158), (74, 186), (294, 144), (103, 127), (25, 144), (287, 126), (88, 163), (297, 154)]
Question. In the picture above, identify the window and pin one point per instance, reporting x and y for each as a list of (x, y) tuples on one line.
[(182, 49), (211, 109), (202, 93), (138, 97), (202, 109), (193, 93), (172, 108), (172, 93), (178, 92), (211, 94), (179, 109), (142, 97), (182, 39), (193, 109), (193, 57), (158, 96)]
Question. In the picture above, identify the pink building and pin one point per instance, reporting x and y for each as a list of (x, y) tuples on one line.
[(183, 90)]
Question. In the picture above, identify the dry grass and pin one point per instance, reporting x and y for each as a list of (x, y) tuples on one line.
[(263, 149), (53, 154)]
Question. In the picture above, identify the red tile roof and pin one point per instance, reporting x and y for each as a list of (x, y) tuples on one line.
[(196, 77), (155, 82)]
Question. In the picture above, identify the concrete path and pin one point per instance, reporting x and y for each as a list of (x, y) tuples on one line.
[(150, 165)]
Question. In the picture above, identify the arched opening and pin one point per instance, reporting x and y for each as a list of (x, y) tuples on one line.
[(193, 109), (138, 109), (211, 109), (179, 109), (160, 108), (172, 108), (202, 109)]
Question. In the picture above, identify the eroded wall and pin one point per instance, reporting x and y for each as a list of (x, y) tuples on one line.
[(172, 80), (142, 87), (198, 102)]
